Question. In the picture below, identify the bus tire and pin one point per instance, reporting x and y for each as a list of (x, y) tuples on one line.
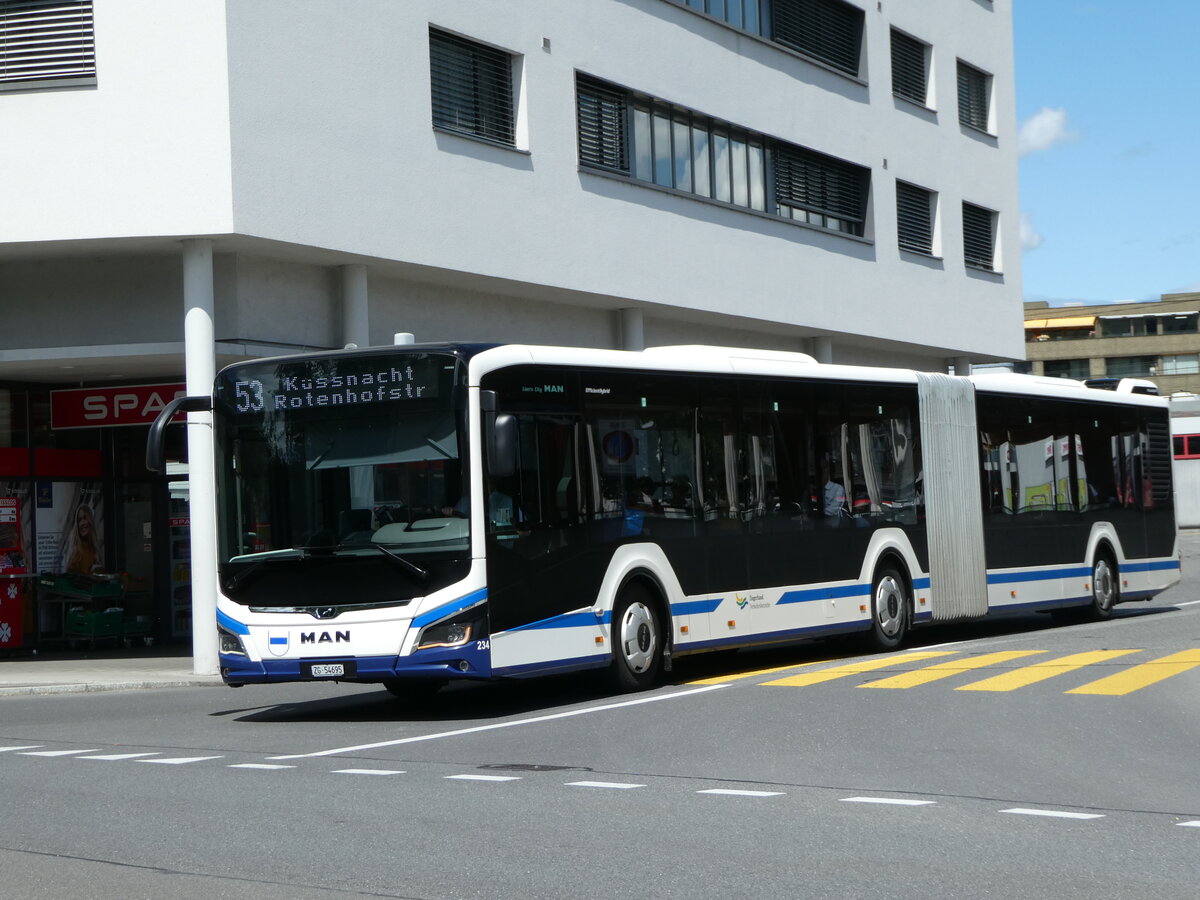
[(637, 638), (890, 609), (1105, 590), (411, 689)]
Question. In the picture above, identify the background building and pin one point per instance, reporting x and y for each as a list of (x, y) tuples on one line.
[(1159, 340), (818, 175)]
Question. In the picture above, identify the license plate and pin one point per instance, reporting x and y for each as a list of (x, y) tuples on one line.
[(327, 670)]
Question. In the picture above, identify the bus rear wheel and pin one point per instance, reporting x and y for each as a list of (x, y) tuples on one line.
[(1104, 588), (889, 609), (637, 638)]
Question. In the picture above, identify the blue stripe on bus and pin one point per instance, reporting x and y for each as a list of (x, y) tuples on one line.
[(231, 624), (1078, 572), (810, 594), (450, 608), (1156, 566), (695, 607), (567, 620), (1014, 577), (596, 661)]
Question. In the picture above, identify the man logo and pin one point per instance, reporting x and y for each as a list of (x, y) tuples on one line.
[(278, 643)]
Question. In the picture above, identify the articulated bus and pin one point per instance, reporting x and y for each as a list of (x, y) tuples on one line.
[(417, 514)]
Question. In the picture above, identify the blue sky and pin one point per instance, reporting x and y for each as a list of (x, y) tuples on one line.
[(1108, 112)]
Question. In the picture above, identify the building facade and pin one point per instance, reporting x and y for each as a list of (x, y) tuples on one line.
[(1159, 341), (266, 176)]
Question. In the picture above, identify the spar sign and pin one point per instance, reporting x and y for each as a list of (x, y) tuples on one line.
[(104, 407)]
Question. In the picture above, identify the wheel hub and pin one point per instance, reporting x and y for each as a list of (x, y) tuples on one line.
[(638, 639)]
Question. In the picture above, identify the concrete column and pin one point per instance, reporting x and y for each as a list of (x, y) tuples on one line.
[(355, 318), (200, 370), (962, 365), (633, 335), (822, 349)]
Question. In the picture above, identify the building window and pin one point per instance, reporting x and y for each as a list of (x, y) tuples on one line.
[(827, 30), (979, 241), (910, 72), (1078, 369), (656, 142), (1130, 366), (1181, 364), (46, 43), (914, 217), (1187, 446), (1180, 323), (749, 15), (973, 96), (472, 87), (820, 190)]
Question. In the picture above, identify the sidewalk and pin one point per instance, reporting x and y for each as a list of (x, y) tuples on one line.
[(99, 670)]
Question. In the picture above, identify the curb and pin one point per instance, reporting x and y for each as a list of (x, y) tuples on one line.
[(87, 688)]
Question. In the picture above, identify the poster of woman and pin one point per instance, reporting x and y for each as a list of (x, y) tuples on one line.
[(70, 527), (83, 550)]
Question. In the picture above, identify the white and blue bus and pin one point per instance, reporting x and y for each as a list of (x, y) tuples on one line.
[(417, 514)]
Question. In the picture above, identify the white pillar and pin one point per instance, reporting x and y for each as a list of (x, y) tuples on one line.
[(633, 335), (355, 319), (200, 369), (822, 349), (962, 365)]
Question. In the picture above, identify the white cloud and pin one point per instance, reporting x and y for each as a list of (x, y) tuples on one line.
[(1044, 129), (1030, 239)]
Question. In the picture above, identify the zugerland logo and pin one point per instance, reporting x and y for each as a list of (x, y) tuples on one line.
[(324, 637)]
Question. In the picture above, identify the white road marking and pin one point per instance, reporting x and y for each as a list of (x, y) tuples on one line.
[(1053, 813), (1195, 823), (531, 721), (179, 760), (483, 778), (728, 792), (367, 772), (22, 747), (60, 752), (116, 756), (257, 766), (616, 785), (888, 801), (1189, 603)]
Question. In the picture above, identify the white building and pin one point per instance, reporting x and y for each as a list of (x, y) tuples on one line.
[(833, 176)]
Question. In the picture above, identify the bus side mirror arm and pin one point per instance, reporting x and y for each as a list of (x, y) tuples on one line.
[(155, 443), (500, 438)]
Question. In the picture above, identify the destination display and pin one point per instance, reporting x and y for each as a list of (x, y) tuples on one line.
[(315, 384)]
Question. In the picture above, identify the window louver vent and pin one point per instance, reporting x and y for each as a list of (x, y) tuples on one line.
[(44, 42)]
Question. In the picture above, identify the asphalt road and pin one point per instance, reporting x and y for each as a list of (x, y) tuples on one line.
[(764, 774)]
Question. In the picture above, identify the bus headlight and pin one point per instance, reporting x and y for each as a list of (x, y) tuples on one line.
[(453, 632), (230, 642)]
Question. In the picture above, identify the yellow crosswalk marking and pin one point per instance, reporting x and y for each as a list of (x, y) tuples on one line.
[(1027, 675), (1138, 677), (947, 669), (738, 676), (869, 665)]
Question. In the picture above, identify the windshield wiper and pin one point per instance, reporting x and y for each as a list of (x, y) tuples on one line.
[(320, 551), (410, 567)]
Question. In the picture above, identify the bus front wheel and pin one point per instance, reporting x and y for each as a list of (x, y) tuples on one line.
[(1104, 588), (889, 609), (637, 640)]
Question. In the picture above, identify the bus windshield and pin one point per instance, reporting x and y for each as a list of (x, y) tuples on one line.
[(341, 479)]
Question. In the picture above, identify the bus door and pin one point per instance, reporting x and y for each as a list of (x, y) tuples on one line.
[(540, 563)]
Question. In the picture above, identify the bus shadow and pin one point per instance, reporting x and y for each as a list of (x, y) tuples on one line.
[(458, 703), (489, 701)]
